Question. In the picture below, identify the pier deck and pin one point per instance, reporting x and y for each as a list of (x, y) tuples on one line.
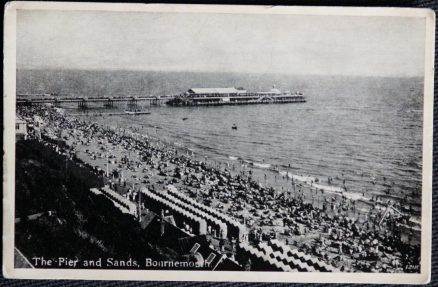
[(238, 100)]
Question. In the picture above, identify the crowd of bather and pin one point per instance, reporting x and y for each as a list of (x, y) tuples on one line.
[(326, 231)]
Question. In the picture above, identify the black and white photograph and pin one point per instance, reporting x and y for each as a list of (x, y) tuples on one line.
[(203, 142)]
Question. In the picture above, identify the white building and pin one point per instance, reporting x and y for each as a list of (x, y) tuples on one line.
[(20, 129)]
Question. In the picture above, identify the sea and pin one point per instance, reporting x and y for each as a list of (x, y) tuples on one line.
[(364, 130)]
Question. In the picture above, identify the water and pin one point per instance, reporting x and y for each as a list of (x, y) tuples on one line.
[(360, 129)]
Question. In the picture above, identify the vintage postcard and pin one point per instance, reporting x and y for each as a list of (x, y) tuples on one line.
[(217, 143)]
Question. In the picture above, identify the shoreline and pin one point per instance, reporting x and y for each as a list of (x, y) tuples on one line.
[(374, 189), (300, 191), (278, 173)]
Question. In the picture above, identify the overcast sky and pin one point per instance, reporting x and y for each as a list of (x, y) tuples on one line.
[(288, 44)]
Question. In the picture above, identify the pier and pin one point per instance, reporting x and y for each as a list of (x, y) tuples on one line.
[(233, 96), (232, 101), (83, 102)]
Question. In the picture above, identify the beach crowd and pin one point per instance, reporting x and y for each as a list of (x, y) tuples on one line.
[(328, 225)]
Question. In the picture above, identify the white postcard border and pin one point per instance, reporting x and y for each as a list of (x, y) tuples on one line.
[(9, 150)]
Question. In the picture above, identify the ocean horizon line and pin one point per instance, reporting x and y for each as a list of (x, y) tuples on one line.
[(220, 72)]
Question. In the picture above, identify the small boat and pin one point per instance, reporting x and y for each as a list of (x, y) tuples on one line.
[(137, 113), (234, 127), (184, 119)]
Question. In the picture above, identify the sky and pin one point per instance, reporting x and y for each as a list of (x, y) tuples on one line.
[(241, 43)]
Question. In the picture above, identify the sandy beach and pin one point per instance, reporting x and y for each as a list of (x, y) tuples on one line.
[(354, 232)]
